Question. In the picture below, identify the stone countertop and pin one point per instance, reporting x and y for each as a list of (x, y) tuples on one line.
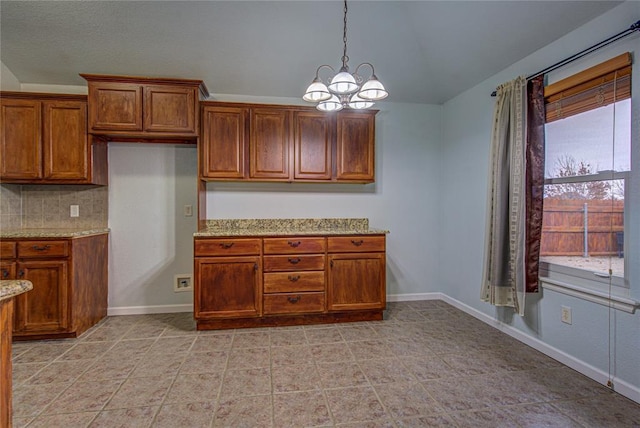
[(288, 227), (12, 287), (50, 233)]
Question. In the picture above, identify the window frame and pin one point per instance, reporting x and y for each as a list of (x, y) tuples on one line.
[(553, 273)]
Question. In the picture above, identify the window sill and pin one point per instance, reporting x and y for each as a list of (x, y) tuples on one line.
[(617, 302)]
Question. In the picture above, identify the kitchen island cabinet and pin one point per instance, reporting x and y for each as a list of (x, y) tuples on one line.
[(9, 290)]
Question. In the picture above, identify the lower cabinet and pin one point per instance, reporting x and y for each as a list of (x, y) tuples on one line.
[(227, 287), (70, 283), (251, 282)]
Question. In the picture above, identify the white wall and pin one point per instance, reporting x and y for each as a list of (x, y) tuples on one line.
[(8, 81), (464, 162), (403, 199), (151, 239)]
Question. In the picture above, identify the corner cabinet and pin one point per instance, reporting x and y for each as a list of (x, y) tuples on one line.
[(125, 108), (291, 280), (44, 140), (70, 281), (258, 142)]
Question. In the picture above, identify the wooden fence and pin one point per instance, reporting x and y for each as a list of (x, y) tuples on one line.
[(563, 227)]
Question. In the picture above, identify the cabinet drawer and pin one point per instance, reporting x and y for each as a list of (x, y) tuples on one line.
[(293, 281), (359, 243), (293, 303), (226, 247), (36, 249), (7, 250), (294, 245), (293, 262)]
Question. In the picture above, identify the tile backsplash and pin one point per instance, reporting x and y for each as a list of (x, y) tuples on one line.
[(48, 206)]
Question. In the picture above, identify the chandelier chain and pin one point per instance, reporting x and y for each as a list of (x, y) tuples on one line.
[(345, 58)]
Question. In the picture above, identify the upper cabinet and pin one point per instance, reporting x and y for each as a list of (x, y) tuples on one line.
[(252, 142), (355, 143), (43, 139), (269, 144), (123, 108)]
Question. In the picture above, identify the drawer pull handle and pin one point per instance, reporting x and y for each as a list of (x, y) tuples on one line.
[(43, 248), (5, 273), (226, 245), (293, 299), (293, 244), (294, 278), (357, 243), (294, 261)]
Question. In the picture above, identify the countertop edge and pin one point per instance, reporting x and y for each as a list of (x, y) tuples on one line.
[(52, 233), (269, 233), (13, 287)]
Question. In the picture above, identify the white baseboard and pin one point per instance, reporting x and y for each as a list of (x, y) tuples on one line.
[(624, 388), (142, 310), (415, 296)]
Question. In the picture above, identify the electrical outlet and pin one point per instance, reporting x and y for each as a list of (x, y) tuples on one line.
[(565, 315), (182, 283), (74, 210), (188, 210)]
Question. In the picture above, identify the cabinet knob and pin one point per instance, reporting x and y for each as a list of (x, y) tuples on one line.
[(21, 274), (357, 243), (43, 248), (294, 261), (227, 245), (5, 273), (293, 299), (294, 278), (293, 244)]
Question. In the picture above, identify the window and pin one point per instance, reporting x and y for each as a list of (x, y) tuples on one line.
[(587, 166)]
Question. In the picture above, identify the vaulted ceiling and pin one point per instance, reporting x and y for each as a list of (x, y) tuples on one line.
[(423, 51)]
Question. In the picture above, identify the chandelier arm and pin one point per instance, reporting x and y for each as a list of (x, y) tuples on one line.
[(324, 65), (373, 72)]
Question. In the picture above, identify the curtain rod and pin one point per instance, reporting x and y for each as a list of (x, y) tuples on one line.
[(634, 27)]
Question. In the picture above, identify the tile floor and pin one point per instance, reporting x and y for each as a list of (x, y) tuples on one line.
[(426, 364)]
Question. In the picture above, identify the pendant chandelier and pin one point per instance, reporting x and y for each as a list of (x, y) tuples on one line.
[(345, 89)]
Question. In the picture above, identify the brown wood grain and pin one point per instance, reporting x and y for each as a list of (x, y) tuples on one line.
[(294, 245), (223, 142), (312, 145), (356, 243), (43, 248), (294, 262), (284, 282), (227, 246), (90, 281), (65, 142), (6, 321), (355, 157), (356, 281), (269, 143), (20, 138), (293, 303)]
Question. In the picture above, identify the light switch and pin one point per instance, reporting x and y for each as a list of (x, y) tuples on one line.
[(188, 210)]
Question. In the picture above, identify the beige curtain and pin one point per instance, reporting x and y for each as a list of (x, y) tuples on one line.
[(504, 277)]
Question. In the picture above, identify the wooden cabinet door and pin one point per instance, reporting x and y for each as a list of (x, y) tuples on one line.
[(115, 106), (45, 308), (20, 139), (269, 144), (356, 281), (312, 145), (355, 147), (7, 270), (223, 142), (65, 142), (170, 109), (228, 287)]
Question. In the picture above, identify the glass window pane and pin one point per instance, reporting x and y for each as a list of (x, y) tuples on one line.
[(594, 209), (585, 144)]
